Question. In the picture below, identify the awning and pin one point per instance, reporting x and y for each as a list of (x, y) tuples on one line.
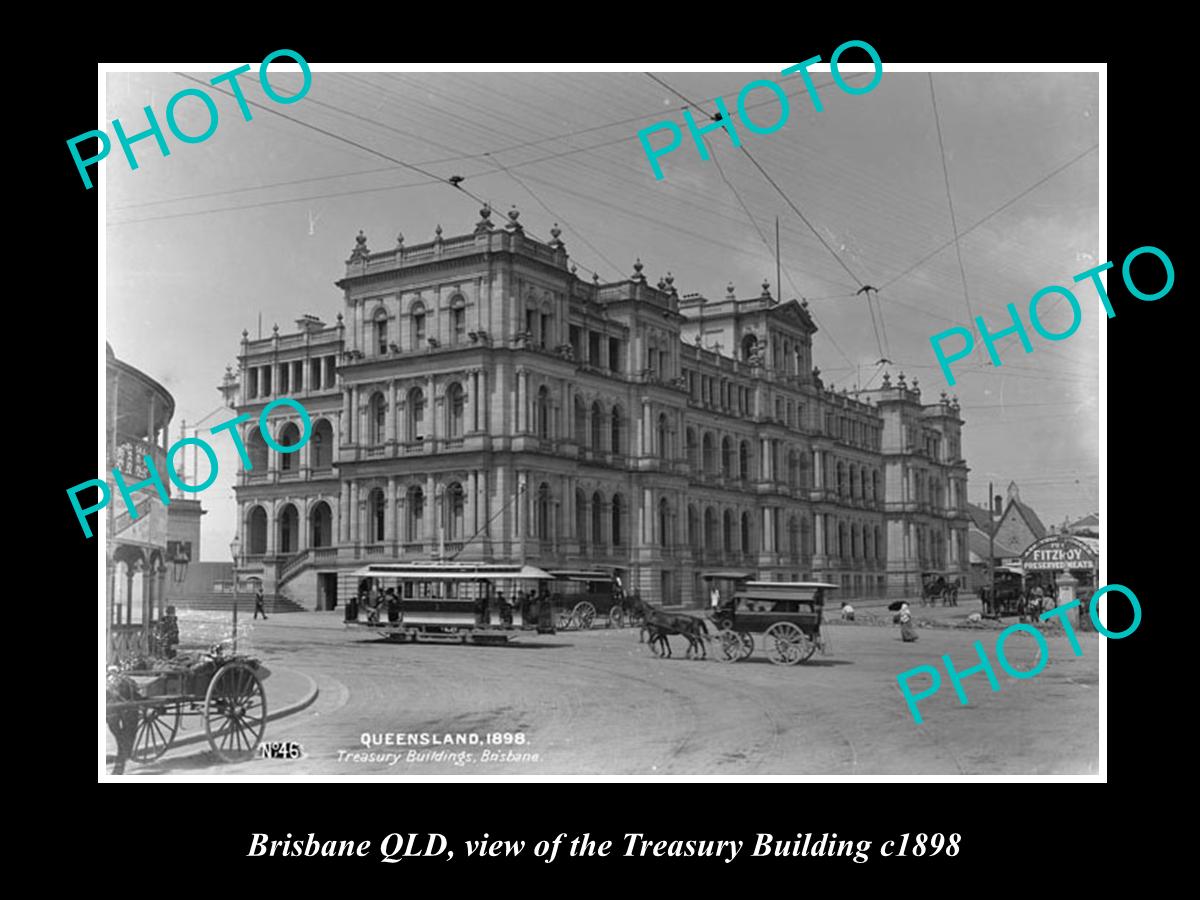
[(453, 572), (729, 574)]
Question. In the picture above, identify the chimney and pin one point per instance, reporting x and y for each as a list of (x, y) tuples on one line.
[(309, 323), (997, 505)]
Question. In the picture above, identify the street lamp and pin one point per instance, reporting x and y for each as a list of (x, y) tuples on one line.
[(235, 547)]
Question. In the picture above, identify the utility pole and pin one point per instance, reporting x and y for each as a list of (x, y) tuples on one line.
[(991, 549)]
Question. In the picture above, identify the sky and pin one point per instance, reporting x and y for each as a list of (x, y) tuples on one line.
[(257, 221)]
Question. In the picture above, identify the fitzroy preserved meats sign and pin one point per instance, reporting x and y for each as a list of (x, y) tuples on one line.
[(1058, 552)]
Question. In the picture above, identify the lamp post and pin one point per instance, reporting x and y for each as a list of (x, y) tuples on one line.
[(235, 547)]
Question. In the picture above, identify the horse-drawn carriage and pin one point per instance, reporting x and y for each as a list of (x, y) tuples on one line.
[(936, 586), (787, 614), (581, 596), (147, 698)]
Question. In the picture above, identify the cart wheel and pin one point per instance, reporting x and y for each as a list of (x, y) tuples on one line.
[(235, 712), (584, 613), (785, 644), (616, 617), (156, 730), (747, 640), (730, 645)]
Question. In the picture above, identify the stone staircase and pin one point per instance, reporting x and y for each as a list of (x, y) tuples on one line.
[(222, 600)]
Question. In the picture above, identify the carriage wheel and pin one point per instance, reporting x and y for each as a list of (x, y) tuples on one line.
[(235, 712), (616, 617), (730, 645), (566, 621), (747, 640), (156, 730), (785, 644), (584, 613)]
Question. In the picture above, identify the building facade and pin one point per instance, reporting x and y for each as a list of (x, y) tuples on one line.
[(477, 400)]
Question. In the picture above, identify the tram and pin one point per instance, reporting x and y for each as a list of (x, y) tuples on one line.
[(479, 603)]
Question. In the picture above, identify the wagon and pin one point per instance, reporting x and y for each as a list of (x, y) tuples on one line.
[(786, 613), (581, 596), (226, 691)]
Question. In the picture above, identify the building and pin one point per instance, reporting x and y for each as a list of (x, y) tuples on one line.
[(138, 414), (478, 400), (1019, 526)]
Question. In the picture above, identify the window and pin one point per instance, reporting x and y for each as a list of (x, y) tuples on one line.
[(289, 529), (581, 519), (322, 445), (416, 414), (416, 513), (289, 436), (256, 528), (314, 374), (381, 332), (258, 450), (531, 325), (455, 405), (709, 451), (726, 457), (251, 383), (580, 424), (455, 504), (378, 507), (664, 523), (594, 349), (728, 523), (330, 371), (458, 320), (614, 354), (664, 437), (693, 527), (692, 449), (618, 512), (322, 525), (574, 340), (298, 376), (597, 427), (378, 418), (598, 519), (283, 379), (543, 413), (418, 325), (710, 529), (542, 523), (745, 532), (616, 430), (266, 381), (744, 459), (546, 334)]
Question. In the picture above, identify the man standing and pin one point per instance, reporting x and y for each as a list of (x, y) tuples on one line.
[(258, 603), (714, 597)]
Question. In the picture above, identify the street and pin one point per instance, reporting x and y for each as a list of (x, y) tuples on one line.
[(598, 703)]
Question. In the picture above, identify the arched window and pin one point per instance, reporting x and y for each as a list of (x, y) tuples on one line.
[(710, 529), (541, 513), (728, 531), (543, 412), (664, 523), (458, 319), (744, 459), (749, 346), (416, 513), (377, 507), (793, 529), (597, 427), (843, 544), (289, 436), (707, 447), (868, 545), (876, 481), (416, 414), (256, 529), (693, 527), (793, 469), (617, 434), (321, 519), (454, 410), (418, 325), (580, 423), (381, 331), (581, 522), (289, 529), (598, 531), (257, 448), (454, 509), (841, 479), (693, 451), (745, 532), (664, 437), (377, 416), (726, 457), (322, 444), (618, 515), (854, 541), (879, 551)]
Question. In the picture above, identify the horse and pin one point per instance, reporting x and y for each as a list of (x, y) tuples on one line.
[(658, 624), (932, 590)]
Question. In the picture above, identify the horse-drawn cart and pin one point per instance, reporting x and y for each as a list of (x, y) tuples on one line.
[(787, 615), (146, 702)]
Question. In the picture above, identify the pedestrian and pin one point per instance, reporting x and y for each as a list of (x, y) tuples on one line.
[(506, 610), (258, 603), (907, 632), (714, 597), (393, 605), (168, 633), (847, 612), (374, 601)]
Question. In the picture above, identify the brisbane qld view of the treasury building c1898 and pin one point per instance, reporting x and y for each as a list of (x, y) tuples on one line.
[(477, 400)]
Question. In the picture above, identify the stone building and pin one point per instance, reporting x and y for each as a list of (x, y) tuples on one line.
[(476, 399)]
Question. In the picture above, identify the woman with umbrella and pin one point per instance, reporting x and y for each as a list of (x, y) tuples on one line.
[(907, 632)]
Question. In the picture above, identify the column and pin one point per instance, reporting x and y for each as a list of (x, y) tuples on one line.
[(354, 513), (471, 513), (647, 442), (471, 410), (432, 509), (391, 532), (393, 416), (344, 513), (344, 426), (272, 526)]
